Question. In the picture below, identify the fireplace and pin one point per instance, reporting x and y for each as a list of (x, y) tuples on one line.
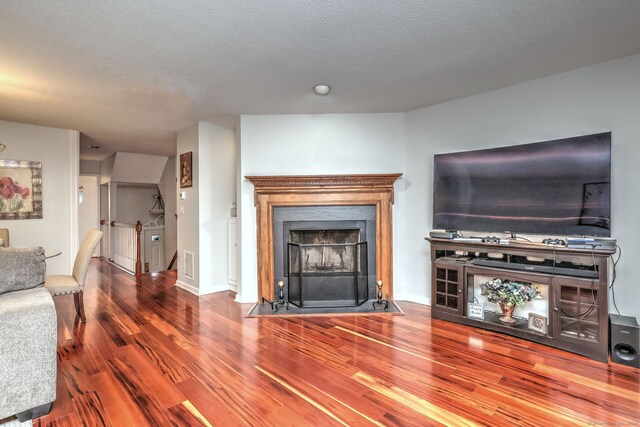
[(325, 242), (322, 254)]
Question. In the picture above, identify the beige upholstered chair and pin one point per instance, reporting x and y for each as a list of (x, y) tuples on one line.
[(74, 284), (4, 237)]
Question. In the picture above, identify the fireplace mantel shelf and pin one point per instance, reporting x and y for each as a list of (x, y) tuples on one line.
[(323, 181), (319, 190)]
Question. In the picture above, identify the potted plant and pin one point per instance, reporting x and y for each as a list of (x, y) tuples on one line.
[(509, 294)]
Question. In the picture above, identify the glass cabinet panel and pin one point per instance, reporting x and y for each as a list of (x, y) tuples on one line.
[(579, 313), (447, 288)]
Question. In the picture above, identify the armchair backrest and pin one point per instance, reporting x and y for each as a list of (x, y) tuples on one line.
[(81, 264), (4, 236)]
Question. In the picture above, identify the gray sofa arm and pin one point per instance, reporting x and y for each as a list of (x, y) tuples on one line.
[(28, 339), (21, 268)]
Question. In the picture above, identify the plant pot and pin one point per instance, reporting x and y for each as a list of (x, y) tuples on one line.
[(507, 311)]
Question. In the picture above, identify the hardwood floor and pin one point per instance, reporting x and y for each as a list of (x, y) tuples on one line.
[(153, 354)]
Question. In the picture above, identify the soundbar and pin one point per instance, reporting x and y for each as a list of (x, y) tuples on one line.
[(590, 274)]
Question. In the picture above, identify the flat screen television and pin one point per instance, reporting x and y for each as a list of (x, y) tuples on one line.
[(559, 187)]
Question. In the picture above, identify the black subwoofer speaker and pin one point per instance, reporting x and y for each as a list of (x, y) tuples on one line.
[(624, 340)]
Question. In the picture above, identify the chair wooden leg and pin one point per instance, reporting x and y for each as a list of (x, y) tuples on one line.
[(78, 298)]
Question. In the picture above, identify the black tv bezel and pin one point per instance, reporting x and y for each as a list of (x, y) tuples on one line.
[(497, 230)]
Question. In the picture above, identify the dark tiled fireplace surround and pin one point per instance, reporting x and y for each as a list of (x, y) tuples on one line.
[(321, 253)]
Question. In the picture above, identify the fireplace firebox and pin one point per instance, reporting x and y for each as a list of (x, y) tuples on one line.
[(327, 268)]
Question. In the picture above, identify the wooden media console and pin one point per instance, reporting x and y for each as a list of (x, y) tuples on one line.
[(573, 285)]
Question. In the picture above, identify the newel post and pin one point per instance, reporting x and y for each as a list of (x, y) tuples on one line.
[(138, 249)]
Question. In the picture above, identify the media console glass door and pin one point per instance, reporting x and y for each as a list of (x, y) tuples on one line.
[(447, 292), (579, 311)]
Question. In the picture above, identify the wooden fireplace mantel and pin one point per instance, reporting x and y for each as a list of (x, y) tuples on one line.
[(323, 190)]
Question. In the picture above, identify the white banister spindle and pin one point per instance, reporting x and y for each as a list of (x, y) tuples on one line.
[(125, 246)]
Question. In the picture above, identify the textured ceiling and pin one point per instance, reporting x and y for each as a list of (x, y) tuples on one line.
[(129, 74)]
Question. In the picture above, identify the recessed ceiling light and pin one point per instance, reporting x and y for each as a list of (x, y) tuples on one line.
[(321, 89), (94, 146)]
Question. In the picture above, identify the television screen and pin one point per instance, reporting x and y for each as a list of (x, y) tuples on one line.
[(560, 187)]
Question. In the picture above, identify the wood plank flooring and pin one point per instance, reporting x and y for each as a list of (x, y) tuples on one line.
[(153, 354)]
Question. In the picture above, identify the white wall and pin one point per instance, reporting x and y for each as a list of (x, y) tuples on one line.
[(127, 168), (188, 229), (314, 145), (217, 177), (595, 99), (134, 203), (58, 150), (167, 188), (89, 167), (89, 209), (202, 215), (106, 169)]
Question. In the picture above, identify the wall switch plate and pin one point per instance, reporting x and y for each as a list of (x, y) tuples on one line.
[(181, 209), (183, 195)]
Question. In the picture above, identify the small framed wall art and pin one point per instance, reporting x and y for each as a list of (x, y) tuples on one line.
[(20, 189), (186, 179), (538, 323)]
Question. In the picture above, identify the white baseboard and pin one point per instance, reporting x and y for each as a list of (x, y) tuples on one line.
[(213, 290), (241, 300), (187, 287), (196, 291), (420, 299)]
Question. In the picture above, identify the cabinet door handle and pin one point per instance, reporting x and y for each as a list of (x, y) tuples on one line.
[(459, 291)]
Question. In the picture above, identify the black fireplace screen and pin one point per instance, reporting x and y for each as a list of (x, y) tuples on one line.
[(327, 274)]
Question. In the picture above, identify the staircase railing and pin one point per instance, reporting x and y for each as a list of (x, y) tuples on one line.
[(125, 246)]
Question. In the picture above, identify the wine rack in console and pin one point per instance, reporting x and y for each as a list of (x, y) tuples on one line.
[(570, 312)]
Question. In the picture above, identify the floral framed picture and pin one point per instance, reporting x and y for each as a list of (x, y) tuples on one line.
[(185, 170), (20, 189)]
